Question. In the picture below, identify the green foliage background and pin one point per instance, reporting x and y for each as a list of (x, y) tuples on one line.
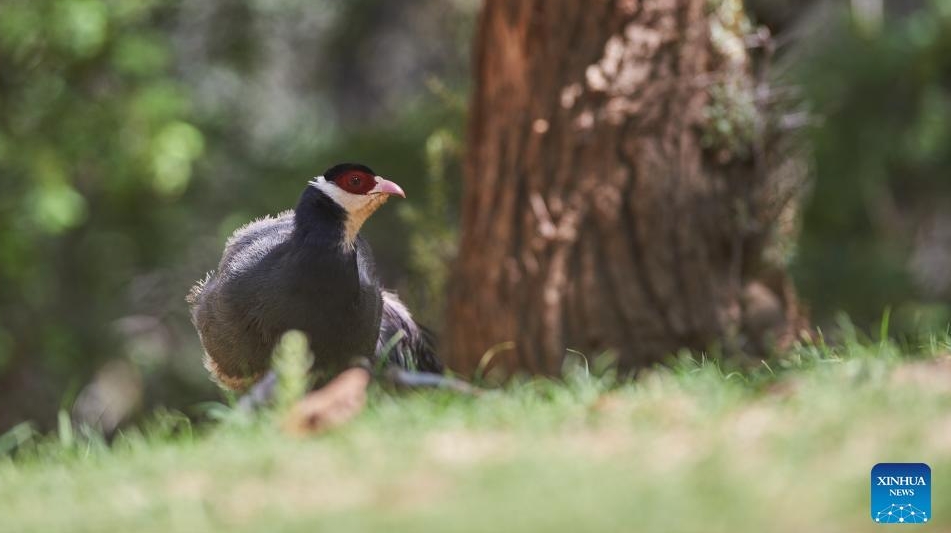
[(876, 228)]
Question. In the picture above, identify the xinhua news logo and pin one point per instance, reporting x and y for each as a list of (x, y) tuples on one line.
[(901, 493)]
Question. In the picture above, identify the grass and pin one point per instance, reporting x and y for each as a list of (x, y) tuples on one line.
[(688, 447)]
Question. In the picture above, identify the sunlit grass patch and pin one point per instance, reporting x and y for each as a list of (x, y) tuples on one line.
[(691, 446)]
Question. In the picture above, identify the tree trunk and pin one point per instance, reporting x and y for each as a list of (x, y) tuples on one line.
[(623, 191)]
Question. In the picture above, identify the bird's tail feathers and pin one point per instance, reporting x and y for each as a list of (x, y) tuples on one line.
[(404, 342)]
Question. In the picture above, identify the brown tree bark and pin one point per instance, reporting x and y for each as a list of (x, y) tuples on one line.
[(622, 187)]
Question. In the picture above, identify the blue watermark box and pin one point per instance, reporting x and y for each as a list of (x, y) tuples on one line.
[(901, 493)]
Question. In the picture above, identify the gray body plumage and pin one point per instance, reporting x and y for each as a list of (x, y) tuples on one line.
[(275, 276)]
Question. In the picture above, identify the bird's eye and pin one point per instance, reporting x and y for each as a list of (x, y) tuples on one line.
[(356, 183)]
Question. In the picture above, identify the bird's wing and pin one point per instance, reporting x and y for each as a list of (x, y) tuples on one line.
[(366, 265), (225, 306), (251, 242), (245, 244), (403, 341)]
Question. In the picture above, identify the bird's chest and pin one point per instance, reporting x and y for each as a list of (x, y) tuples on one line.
[(337, 308)]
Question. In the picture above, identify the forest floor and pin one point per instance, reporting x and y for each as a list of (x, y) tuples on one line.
[(786, 447)]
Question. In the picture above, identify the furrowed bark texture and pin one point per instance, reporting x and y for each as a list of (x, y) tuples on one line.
[(620, 193)]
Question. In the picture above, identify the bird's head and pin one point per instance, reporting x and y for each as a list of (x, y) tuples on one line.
[(358, 191)]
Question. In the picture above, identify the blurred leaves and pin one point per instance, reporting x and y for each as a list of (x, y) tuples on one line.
[(883, 161), (80, 26), (94, 131), (174, 149), (433, 244), (56, 207)]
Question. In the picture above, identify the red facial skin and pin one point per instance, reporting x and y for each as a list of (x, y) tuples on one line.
[(356, 182)]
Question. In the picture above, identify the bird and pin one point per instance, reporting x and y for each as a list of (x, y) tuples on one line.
[(308, 269)]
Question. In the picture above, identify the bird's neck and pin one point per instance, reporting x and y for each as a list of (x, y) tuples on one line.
[(318, 221)]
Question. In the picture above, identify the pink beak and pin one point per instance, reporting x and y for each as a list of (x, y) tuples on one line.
[(386, 186)]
